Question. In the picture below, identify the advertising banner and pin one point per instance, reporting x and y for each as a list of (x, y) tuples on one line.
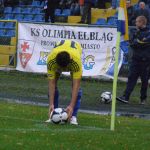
[(35, 42)]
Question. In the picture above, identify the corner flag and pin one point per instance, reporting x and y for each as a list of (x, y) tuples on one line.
[(122, 30), (123, 20)]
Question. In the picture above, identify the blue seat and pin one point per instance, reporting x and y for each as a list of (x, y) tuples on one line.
[(39, 18), (9, 25), (101, 21), (57, 12), (9, 16), (25, 3), (112, 21), (2, 24), (10, 33), (66, 12), (42, 4), (28, 18), (36, 3), (19, 17), (8, 10), (36, 11), (26, 10), (2, 32), (17, 10)]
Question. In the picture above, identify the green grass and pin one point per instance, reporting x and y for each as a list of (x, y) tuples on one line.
[(22, 127), (27, 86)]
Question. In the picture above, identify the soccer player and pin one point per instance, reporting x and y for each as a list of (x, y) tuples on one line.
[(65, 57)]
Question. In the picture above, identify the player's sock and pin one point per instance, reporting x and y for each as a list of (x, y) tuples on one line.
[(77, 106)]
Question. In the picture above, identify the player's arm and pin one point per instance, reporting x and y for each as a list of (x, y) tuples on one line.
[(147, 38), (51, 88), (75, 89), (53, 77)]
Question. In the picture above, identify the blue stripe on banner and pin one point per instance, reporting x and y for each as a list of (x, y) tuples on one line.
[(110, 72), (121, 27)]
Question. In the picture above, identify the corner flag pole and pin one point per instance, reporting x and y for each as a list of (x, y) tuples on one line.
[(122, 29), (113, 109)]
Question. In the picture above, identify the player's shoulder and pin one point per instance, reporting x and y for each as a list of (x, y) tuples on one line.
[(67, 42), (51, 55)]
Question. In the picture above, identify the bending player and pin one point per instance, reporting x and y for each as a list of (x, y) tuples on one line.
[(65, 57)]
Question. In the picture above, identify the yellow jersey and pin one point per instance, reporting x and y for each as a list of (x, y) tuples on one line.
[(74, 49)]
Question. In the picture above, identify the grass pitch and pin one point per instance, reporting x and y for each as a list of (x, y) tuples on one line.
[(22, 127), (34, 87)]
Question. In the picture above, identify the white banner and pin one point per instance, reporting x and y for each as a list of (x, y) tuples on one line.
[(35, 41)]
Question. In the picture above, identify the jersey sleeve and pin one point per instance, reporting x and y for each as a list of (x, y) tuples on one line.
[(51, 74), (77, 74)]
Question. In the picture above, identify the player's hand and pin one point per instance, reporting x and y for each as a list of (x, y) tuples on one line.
[(69, 111), (51, 109)]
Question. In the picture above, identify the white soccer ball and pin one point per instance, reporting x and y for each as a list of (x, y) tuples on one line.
[(59, 116), (106, 97)]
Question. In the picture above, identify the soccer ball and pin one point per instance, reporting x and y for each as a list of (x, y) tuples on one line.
[(106, 97), (59, 116)]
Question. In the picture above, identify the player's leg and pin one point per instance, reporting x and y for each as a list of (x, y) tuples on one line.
[(132, 80), (76, 108), (56, 96), (78, 102), (144, 85)]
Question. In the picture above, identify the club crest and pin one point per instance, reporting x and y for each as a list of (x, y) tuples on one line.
[(26, 49)]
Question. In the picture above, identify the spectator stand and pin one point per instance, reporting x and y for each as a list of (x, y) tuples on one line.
[(25, 12), (28, 11), (101, 13), (62, 16), (33, 12), (8, 43)]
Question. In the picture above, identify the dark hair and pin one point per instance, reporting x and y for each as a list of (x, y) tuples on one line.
[(63, 59)]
